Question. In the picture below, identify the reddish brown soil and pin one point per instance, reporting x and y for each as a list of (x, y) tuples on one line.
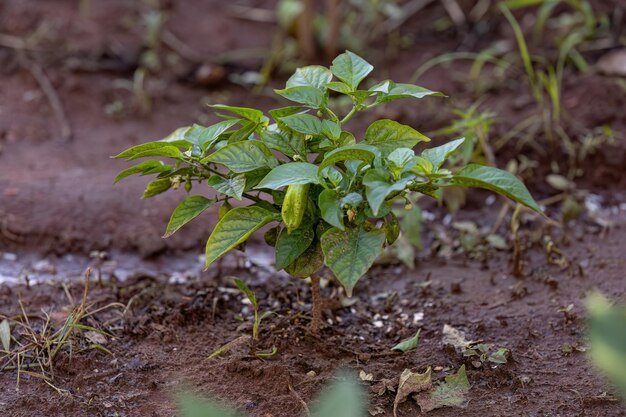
[(57, 197)]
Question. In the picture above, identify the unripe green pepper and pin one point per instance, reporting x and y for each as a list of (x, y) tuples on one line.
[(294, 205), (224, 208)]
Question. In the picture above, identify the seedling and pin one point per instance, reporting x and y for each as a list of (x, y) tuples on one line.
[(329, 195)]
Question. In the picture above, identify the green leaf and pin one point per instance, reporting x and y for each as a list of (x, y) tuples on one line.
[(162, 151), (439, 154), (253, 115), (351, 69), (288, 174), (290, 246), (243, 287), (389, 91), (5, 335), (311, 261), (287, 143), (142, 148), (361, 152), (331, 208), (607, 333), (352, 199), (408, 344), (311, 76), (232, 187), (351, 253), (339, 87), (245, 133), (193, 406), (187, 210), (411, 225), (496, 180), (331, 129), (243, 156), (378, 185), (235, 228), (143, 168), (309, 96), (303, 123), (343, 398), (205, 137), (157, 187), (388, 135)]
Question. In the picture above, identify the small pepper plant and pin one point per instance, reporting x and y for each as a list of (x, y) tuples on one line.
[(329, 194)]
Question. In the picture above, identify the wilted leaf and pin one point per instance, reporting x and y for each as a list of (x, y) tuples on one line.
[(411, 383), (450, 393), (5, 335), (408, 344), (455, 338)]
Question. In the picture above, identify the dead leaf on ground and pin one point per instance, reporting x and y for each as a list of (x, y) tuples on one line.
[(455, 338), (452, 392), (411, 383)]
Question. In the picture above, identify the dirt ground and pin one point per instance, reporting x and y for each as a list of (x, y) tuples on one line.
[(57, 200)]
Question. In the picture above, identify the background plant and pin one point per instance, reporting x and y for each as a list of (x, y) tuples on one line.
[(329, 195)]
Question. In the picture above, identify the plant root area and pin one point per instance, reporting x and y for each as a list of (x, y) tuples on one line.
[(152, 321)]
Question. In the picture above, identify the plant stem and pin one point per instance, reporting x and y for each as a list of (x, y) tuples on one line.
[(316, 296), (349, 115)]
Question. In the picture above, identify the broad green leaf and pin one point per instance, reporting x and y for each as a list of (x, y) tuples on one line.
[(287, 143), (452, 392), (331, 129), (496, 180), (157, 187), (311, 261), (309, 96), (177, 136), (245, 133), (235, 228), (379, 185), (5, 335), (389, 91), (388, 135), (311, 76), (142, 148), (243, 156), (232, 187), (253, 115), (187, 210), (339, 87), (351, 68), (401, 160), (391, 227), (331, 208), (253, 178), (343, 398), (243, 287), (408, 344), (290, 246), (351, 253), (607, 333), (169, 151), (411, 225), (194, 406), (303, 123), (361, 152), (352, 200), (205, 137), (290, 173), (277, 114), (439, 154), (143, 168)]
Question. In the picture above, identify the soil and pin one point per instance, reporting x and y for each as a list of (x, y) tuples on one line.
[(58, 204)]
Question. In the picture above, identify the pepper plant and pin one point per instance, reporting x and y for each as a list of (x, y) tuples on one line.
[(328, 194)]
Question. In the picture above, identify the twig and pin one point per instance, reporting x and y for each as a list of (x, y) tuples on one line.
[(316, 296), (454, 11), (307, 412), (253, 14), (52, 96), (180, 47), (306, 38), (333, 17)]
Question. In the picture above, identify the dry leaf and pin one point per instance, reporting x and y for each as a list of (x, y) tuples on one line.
[(455, 338), (411, 383), (365, 376), (452, 392)]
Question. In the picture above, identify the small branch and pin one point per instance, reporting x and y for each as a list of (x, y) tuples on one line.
[(316, 296), (307, 412), (53, 98)]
